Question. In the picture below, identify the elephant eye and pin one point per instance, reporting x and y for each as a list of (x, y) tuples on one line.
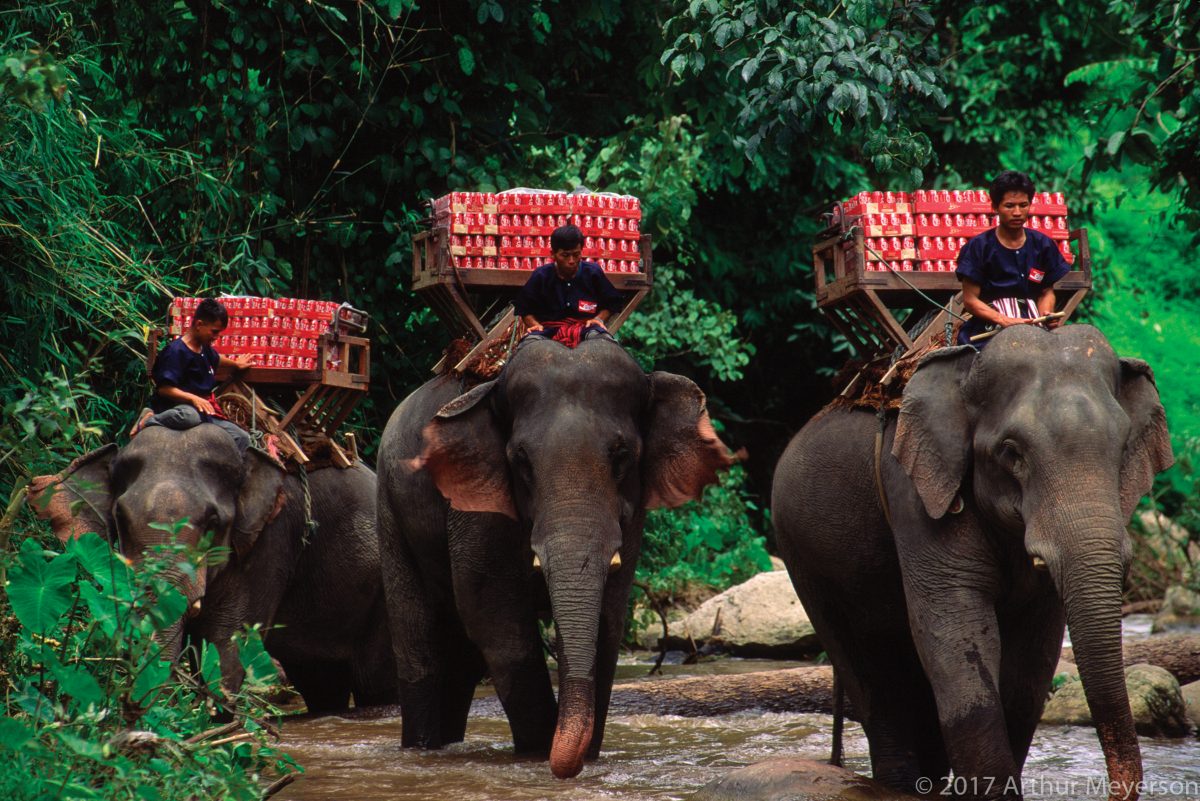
[(621, 459), (521, 464), (1010, 456)]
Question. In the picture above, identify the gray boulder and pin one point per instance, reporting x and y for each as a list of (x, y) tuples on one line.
[(1154, 698), (1191, 698), (789, 779), (1180, 611), (761, 617)]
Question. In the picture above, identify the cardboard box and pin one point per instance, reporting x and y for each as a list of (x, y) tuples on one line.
[(465, 202)]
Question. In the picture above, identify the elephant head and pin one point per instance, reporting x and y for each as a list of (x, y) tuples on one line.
[(133, 495), (576, 445), (1055, 440)]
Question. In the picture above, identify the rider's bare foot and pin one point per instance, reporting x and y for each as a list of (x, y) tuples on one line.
[(141, 422)]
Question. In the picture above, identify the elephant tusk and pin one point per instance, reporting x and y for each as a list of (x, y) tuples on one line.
[(537, 563), (1039, 563), (615, 564)]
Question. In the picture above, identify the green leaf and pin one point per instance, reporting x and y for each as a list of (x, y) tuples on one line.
[(80, 685), (155, 674), (466, 60), (1114, 143), (14, 734), (749, 68), (40, 590)]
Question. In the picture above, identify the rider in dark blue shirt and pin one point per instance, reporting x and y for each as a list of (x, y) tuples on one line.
[(184, 378), (568, 289), (1008, 272)]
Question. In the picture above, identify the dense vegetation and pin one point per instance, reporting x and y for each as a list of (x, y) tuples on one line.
[(279, 147)]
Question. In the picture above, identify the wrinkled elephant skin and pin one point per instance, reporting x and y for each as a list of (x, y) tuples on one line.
[(522, 493), (1009, 476), (321, 605)]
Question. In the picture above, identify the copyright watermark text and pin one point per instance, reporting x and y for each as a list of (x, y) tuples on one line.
[(1047, 786)]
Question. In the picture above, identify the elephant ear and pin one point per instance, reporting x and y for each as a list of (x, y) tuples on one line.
[(464, 453), (260, 500), (1148, 447), (933, 439), (78, 499), (681, 451)]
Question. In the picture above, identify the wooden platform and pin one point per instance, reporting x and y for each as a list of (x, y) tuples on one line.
[(467, 300), (326, 396), (876, 310)]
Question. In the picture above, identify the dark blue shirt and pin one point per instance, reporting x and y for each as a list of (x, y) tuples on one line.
[(550, 299), (1003, 272), (180, 366)]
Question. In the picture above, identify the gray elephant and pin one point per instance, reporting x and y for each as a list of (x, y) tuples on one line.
[(941, 596), (529, 488), (326, 597)]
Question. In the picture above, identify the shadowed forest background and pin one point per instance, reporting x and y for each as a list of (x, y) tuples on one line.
[(281, 148), (274, 147)]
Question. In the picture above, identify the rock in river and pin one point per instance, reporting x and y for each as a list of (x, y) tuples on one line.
[(1154, 697), (1180, 611), (789, 779), (759, 618)]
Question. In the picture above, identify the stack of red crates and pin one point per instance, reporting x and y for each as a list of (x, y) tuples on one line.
[(511, 230), (276, 333), (924, 230)]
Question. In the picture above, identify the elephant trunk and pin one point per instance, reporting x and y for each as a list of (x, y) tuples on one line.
[(1089, 570), (575, 578)]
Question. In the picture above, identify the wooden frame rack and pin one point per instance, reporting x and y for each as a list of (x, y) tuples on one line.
[(876, 311), (475, 303)]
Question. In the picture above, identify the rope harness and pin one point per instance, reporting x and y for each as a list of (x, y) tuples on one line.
[(310, 525)]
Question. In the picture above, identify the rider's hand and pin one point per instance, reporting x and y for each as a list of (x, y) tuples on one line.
[(1005, 322), (535, 327), (202, 405), (596, 321)]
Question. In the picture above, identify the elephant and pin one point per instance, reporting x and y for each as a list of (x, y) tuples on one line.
[(941, 561), (321, 603), (530, 489)]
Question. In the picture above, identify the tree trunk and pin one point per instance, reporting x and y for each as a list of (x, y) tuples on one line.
[(803, 689), (1178, 654)]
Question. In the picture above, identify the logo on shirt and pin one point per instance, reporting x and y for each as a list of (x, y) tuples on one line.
[(587, 306), (1036, 276)]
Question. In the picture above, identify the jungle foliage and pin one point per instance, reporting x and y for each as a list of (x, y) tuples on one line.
[(92, 708), (273, 146)]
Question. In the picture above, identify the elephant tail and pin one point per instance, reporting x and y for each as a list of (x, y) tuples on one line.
[(839, 718)]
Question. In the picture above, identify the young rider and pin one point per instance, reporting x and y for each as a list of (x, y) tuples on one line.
[(1008, 272), (185, 377)]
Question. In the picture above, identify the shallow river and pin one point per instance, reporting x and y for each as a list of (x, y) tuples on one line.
[(651, 756)]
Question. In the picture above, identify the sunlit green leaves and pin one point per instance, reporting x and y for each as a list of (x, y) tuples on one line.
[(40, 589), (869, 62), (93, 703)]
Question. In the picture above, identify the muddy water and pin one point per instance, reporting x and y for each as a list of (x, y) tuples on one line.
[(662, 757)]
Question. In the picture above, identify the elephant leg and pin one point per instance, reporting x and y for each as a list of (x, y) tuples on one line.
[(324, 686), (494, 590), (1032, 642), (868, 642), (374, 667), (413, 620)]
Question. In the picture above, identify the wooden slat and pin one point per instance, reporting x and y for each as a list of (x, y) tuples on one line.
[(349, 401), (298, 407), (623, 315), (500, 329)]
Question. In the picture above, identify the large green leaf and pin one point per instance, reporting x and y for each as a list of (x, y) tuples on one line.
[(98, 560), (40, 588), (14, 733)]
